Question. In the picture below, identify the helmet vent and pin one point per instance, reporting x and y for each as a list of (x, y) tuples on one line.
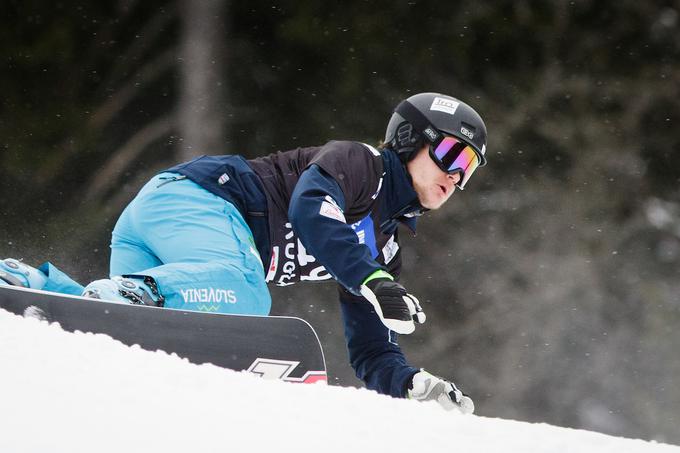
[(405, 135)]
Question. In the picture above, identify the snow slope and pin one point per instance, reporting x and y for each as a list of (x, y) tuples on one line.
[(64, 392)]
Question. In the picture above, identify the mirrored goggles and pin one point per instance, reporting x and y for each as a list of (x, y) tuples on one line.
[(455, 156)]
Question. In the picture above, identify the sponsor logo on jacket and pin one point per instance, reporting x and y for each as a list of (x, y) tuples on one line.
[(293, 262), (330, 209)]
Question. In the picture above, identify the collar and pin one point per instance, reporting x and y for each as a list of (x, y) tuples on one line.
[(400, 201)]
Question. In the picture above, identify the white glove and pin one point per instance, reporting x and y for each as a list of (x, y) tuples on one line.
[(427, 387), (396, 308)]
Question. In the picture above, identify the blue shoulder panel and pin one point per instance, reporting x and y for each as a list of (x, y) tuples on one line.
[(365, 232)]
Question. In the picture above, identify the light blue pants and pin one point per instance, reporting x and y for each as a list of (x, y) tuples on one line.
[(196, 246)]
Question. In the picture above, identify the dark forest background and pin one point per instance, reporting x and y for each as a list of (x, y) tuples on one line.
[(551, 284)]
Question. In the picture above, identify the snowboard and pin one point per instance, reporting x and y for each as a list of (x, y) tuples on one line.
[(274, 347)]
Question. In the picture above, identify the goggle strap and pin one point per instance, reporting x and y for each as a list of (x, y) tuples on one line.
[(420, 123)]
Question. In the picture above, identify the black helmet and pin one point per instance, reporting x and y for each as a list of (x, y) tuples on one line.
[(430, 116)]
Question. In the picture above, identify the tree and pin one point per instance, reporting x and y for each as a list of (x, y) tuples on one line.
[(202, 106)]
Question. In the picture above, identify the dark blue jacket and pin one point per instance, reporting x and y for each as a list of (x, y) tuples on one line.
[(323, 212)]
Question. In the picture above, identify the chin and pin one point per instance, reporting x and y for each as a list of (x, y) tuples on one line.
[(436, 202), (432, 204)]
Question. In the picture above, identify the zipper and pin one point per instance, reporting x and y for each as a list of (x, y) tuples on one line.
[(168, 179)]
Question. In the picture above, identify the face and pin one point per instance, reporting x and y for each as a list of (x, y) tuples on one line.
[(432, 185)]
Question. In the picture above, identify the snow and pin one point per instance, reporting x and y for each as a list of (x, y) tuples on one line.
[(66, 392)]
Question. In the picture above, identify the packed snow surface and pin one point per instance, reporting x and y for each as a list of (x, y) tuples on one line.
[(65, 392)]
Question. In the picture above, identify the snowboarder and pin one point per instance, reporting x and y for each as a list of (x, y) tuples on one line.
[(209, 234)]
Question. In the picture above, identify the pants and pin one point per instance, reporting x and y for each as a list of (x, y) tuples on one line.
[(196, 245)]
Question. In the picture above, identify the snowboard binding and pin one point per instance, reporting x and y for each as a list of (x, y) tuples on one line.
[(128, 289), (15, 273)]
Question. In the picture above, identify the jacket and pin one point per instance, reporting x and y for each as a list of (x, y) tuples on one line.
[(326, 212)]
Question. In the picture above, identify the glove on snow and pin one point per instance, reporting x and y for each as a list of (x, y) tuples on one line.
[(427, 387), (397, 309)]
